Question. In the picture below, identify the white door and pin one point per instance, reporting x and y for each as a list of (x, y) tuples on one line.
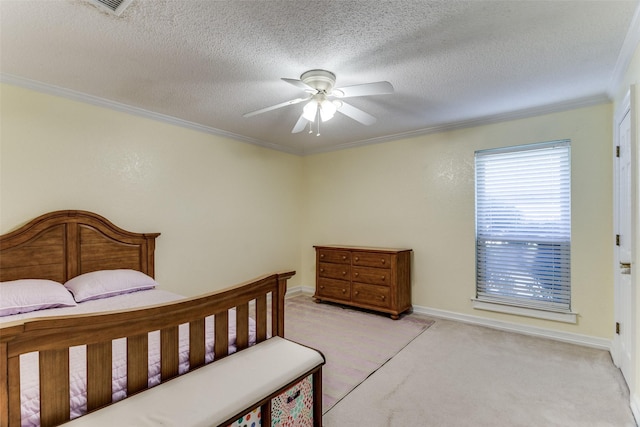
[(624, 285)]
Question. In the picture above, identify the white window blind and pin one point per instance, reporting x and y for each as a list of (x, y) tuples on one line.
[(523, 226)]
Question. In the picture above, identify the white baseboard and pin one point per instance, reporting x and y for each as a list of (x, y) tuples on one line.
[(298, 290), (568, 337), (585, 340)]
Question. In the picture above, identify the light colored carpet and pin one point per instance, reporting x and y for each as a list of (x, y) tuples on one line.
[(355, 343), (456, 374)]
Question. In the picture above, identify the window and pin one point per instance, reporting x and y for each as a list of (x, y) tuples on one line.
[(523, 226)]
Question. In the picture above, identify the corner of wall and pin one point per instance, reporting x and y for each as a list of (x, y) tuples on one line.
[(634, 402)]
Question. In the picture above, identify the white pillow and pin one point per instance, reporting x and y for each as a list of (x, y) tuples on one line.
[(108, 283), (25, 295)]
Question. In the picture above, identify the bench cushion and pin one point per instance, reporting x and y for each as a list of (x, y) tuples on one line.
[(214, 393)]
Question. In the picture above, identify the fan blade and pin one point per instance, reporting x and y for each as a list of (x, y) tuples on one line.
[(357, 114), (275, 107), (300, 84), (366, 89), (300, 124)]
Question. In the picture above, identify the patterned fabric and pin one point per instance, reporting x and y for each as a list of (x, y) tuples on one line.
[(252, 419), (294, 407)]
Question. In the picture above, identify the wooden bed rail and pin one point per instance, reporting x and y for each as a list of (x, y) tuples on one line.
[(53, 336)]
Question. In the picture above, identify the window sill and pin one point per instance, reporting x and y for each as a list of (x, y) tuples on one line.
[(568, 317)]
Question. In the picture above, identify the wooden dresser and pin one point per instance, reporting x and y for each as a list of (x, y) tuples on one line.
[(373, 278)]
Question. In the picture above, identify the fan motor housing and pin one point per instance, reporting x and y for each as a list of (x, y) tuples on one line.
[(321, 80)]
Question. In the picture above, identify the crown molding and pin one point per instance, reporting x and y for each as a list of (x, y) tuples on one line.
[(462, 124), (629, 46), (124, 108), (444, 127)]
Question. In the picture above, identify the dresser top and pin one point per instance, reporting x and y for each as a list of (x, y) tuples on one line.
[(363, 248)]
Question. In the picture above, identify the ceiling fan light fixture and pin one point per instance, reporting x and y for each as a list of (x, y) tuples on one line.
[(310, 110), (327, 110), (319, 104)]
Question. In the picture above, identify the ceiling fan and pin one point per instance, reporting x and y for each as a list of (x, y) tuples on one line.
[(323, 100)]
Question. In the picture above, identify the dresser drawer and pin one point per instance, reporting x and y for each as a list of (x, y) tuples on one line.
[(376, 279), (374, 276), (336, 257), (375, 295), (332, 288), (372, 259), (334, 271)]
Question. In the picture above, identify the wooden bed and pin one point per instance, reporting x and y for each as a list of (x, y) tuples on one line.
[(64, 244)]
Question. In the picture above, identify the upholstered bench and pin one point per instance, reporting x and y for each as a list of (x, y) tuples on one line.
[(274, 380)]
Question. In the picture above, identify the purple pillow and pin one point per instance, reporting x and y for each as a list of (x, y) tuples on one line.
[(108, 283), (25, 295)]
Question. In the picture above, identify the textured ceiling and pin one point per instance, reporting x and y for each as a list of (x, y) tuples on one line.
[(205, 63)]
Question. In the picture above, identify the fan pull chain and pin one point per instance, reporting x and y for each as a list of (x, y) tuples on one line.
[(317, 125)]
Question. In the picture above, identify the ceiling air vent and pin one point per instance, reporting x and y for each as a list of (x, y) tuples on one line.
[(114, 6)]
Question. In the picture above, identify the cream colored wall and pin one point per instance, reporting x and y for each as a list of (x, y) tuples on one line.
[(264, 210), (227, 211), (419, 193)]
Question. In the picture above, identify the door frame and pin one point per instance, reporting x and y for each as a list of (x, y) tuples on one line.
[(628, 106)]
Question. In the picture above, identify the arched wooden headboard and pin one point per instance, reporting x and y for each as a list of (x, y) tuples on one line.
[(63, 244)]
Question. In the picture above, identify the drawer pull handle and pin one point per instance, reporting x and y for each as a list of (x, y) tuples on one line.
[(293, 397), (321, 286), (344, 273), (382, 260), (321, 255), (357, 274), (382, 278), (357, 258), (344, 291), (357, 292), (382, 297), (344, 257), (322, 270)]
